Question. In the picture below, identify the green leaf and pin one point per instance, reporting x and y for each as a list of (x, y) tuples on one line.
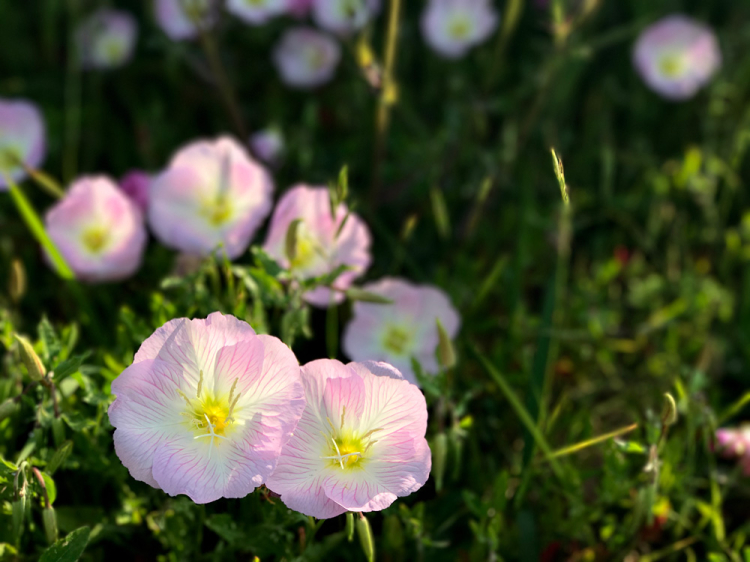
[(49, 483), (266, 262), (226, 527), (47, 334), (69, 366), (69, 548)]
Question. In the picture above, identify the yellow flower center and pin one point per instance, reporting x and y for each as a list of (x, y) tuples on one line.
[(114, 51), (459, 28), (210, 416), (397, 340), (95, 239), (217, 212), (347, 450), (671, 66), (9, 157)]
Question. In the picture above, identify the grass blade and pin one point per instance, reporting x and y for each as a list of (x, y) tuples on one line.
[(521, 411)]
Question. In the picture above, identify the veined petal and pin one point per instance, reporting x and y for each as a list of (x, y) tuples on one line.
[(205, 469), (147, 411)]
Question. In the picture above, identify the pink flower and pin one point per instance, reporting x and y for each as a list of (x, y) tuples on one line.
[(136, 184), (306, 58), (256, 12), (343, 17), (735, 443), (183, 19), (268, 145), (106, 39), (22, 139), (212, 194), (98, 229), (404, 329), (299, 8), (319, 249), (676, 56), (452, 27), (360, 443), (206, 407)]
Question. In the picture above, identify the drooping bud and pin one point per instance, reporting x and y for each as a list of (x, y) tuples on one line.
[(19, 510), (50, 524), (439, 456), (29, 357), (365, 537), (446, 351)]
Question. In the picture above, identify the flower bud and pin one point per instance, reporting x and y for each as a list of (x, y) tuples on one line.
[(29, 357), (365, 537), (446, 351), (290, 242), (350, 526), (8, 408), (669, 414), (50, 524), (58, 431), (439, 456), (17, 281)]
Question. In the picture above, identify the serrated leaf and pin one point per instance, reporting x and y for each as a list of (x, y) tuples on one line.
[(69, 548)]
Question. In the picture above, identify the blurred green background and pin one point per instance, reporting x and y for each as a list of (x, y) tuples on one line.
[(588, 315)]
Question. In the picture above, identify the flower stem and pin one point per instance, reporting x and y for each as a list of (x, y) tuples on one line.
[(223, 83), (32, 220), (388, 96)]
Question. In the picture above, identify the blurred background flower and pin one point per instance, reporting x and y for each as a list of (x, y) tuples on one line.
[(106, 39)]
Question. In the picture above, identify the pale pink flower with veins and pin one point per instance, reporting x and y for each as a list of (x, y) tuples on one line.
[(407, 328), (343, 17), (206, 407), (306, 58), (453, 27), (676, 56), (735, 443), (106, 39), (98, 230), (183, 19), (212, 197), (22, 139), (257, 12), (322, 243), (360, 443)]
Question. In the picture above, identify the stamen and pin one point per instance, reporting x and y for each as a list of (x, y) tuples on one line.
[(366, 435), (343, 413), (370, 444), (331, 424), (187, 400), (231, 407), (231, 391), (200, 383), (338, 452)]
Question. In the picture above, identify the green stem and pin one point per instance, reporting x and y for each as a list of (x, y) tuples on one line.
[(32, 220)]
